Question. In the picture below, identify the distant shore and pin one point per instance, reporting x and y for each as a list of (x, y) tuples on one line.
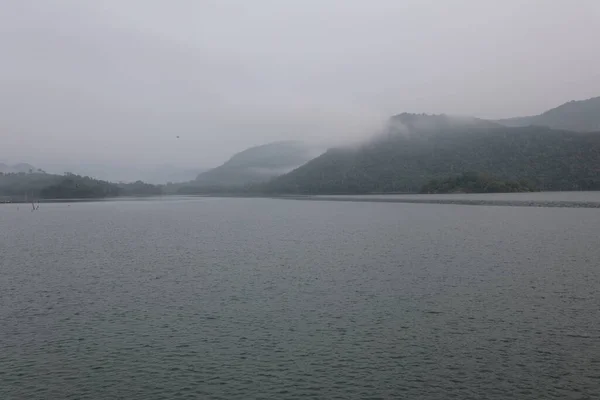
[(461, 201), (552, 199)]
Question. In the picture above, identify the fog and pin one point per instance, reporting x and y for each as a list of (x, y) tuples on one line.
[(136, 84)]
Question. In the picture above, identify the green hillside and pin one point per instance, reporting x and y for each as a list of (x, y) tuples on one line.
[(419, 148)]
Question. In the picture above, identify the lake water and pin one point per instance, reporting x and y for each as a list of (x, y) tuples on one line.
[(283, 299)]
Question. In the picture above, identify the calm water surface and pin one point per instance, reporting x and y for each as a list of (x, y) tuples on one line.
[(271, 299)]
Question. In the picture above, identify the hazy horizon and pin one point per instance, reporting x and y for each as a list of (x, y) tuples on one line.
[(115, 83)]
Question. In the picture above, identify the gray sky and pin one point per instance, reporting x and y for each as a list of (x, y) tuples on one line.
[(115, 81)]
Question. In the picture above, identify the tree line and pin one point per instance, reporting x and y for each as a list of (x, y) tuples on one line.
[(19, 186)]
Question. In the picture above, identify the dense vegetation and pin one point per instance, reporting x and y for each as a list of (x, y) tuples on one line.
[(475, 183), (139, 188), (78, 187), (417, 149), (577, 116), (38, 185)]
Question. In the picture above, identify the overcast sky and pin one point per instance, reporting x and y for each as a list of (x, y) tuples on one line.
[(115, 81)]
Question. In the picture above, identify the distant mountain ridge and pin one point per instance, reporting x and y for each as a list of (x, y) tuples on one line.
[(257, 164), (578, 116), (556, 150)]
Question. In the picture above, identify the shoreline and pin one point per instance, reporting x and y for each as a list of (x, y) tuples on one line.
[(466, 202), (365, 198)]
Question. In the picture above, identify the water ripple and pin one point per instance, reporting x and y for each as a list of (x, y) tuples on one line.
[(249, 299)]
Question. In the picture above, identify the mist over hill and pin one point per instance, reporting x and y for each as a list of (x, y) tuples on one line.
[(417, 148), (16, 168), (257, 164), (410, 151)]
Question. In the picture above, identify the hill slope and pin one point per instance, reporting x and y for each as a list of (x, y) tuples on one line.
[(256, 164), (419, 148), (578, 116)]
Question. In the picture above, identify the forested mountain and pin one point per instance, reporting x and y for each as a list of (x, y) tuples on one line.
[(256, 164), (418, 148), (578, 116), (414, 152)]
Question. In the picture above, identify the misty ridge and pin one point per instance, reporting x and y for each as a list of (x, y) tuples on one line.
[(164, 93), (418, 149), (579, 116), (410, 153), (17, 168), (258, 164)]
